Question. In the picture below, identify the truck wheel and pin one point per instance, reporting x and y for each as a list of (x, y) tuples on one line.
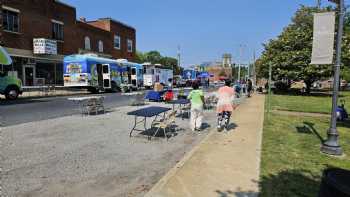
[(11, 93), (94, 90), (114, 87)]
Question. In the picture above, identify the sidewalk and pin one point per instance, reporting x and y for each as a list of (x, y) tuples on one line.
[(224, 164)]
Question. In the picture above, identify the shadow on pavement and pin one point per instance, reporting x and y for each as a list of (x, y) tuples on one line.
[(21, 101), (170, 132), (290, 183), (232, 126)]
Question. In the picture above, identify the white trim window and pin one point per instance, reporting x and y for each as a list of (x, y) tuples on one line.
[(87, 44), (117, 42), (57, 30), (10, 20), (130, 46), (100, 46)]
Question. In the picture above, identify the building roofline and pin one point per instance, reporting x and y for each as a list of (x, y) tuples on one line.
[(86, 24), (115, 21), (65, 4)]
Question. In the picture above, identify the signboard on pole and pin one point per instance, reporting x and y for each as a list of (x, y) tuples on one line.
[(44, 46), (323, 38)]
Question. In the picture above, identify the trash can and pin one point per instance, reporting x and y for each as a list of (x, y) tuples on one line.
[(335, 183)]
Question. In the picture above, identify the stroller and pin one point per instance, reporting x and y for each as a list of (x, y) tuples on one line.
[(342, 114)]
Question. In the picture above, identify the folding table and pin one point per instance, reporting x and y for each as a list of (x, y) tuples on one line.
[(145, 113)]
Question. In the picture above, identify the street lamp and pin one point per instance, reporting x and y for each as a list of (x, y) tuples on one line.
[(331, 145)]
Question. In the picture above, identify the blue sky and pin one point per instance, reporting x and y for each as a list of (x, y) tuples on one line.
[(205, 29)]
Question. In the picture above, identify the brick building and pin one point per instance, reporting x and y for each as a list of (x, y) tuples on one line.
[(39, 33)]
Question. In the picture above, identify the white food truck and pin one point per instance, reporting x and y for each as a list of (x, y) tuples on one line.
[(156, 74)]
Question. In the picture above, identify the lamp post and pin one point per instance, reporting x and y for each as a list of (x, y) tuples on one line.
[(331, 145)]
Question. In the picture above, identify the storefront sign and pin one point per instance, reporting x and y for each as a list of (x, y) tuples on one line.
[(44, 46)]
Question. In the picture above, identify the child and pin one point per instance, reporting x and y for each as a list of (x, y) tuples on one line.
[(197, 102), (225, 107)]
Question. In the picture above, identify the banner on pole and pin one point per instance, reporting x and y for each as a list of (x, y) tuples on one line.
[(323, 38)]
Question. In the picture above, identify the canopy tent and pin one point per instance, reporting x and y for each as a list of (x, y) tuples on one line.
[(205, 75), (5, 58)]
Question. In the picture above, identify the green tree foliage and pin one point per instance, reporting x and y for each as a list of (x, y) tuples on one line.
[(290, 53), (155, 57)]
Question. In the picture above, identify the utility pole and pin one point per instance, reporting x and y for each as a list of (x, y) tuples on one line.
[(331, 146), (240, 61), (254, 67), (319, 4), (178, 57)]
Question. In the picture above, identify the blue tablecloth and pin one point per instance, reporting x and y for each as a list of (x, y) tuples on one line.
[(154, 95), (149, 111)]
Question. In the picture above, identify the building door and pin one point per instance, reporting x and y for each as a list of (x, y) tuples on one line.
[(29, 75)]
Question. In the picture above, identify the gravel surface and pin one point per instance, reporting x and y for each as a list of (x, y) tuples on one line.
[(89, 156)]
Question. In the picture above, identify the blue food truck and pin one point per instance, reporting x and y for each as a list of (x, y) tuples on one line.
[(135, 73), (93, 73), (190, 76)]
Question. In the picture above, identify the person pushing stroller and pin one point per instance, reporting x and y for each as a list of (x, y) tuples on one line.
[(225, 105)]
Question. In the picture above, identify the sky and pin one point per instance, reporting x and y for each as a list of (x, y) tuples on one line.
[(204, 29)]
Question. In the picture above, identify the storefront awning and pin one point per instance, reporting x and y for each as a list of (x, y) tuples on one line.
[(29, 54)]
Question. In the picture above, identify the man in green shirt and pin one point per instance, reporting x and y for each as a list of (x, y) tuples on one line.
[(197, 102)]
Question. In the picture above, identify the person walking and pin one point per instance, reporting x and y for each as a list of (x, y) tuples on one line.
[(249, 87), (197, 104), (225, 106)]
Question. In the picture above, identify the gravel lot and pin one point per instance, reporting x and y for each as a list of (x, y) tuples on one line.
[(88, 156)]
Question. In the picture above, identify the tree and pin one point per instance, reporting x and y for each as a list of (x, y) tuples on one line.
[(154, 57), (290, 53), (140, 57)]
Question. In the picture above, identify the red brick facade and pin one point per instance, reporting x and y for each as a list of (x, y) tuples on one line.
[(35, 21), (125, 32)]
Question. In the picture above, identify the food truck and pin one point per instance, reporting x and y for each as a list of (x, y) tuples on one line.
[(93, 73), (190, 76), (134, 73), (156, 74), (10, 86)]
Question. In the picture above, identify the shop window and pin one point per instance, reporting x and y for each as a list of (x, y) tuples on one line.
[(116, 42), (57, 30), (10, 20), (87, 43), (100, 46), (130, 45)]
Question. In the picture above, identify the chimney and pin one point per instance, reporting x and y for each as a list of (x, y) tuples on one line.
[(82, 19)]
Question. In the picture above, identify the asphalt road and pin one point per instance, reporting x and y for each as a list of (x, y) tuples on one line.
[(30, 110)]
